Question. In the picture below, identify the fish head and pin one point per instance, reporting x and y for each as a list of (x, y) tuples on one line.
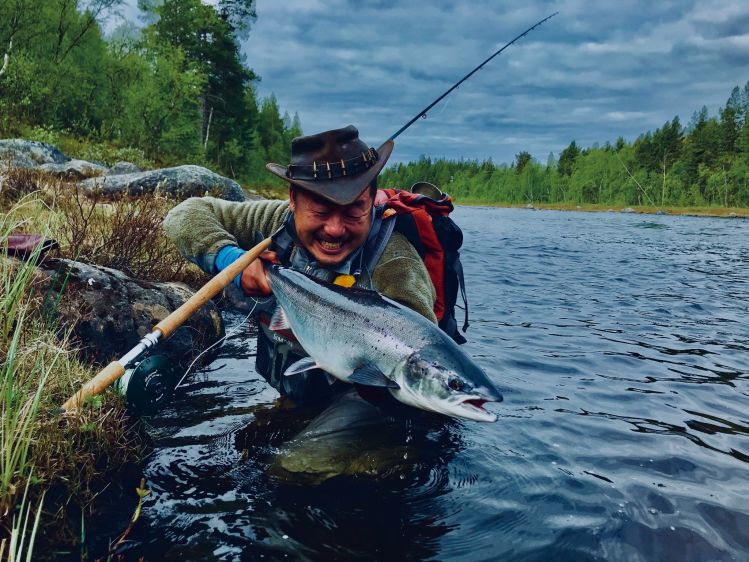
[(457, 388)]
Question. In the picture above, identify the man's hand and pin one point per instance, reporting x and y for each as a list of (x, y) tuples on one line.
[(254, 282)]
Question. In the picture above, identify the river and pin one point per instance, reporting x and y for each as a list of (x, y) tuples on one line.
[(621, 343)]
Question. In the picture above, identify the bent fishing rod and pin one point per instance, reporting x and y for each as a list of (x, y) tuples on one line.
[(423, 112), (168, 325)]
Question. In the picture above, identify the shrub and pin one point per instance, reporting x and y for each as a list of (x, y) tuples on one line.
[(124, 234), (17, 183), (109, 155)]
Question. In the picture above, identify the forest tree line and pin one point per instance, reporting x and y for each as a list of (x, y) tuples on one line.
[(179, 90), (176, 88), (705, 163)]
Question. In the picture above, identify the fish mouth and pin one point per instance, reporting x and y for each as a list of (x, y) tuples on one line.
[(472, 408)]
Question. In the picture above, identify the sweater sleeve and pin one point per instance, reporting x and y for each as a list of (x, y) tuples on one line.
[(401, 275), (201, 226)]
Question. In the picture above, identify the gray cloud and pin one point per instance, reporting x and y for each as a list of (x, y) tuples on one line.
[(596, 71)]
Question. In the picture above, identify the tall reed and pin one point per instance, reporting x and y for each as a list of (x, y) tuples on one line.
[(22, 379), (39, 369), (20, 543), (25, 364)]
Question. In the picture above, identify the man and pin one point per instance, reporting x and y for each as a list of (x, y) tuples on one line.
[(334, 232)]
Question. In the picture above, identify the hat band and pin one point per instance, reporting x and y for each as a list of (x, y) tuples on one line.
[(336, 169)]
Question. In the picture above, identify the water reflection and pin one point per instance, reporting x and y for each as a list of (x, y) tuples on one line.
[(334, 484), (352, 478)]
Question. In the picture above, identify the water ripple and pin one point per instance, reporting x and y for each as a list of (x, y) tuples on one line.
[(620, 345)]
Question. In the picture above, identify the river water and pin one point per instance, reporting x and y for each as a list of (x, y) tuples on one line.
[(621, 343)]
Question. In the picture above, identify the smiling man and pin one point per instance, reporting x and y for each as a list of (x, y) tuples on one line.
[(334, 232)]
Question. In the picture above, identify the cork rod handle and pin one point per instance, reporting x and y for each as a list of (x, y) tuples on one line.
[(166, 327)]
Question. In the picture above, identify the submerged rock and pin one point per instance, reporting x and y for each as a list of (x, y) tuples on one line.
[(110, 312), (628, 210), (351, 437), (179, 182)]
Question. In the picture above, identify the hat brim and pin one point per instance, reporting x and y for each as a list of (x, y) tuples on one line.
[(340, 191)]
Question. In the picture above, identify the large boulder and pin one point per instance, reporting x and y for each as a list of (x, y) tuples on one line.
[(28, 154), (74, 169), (179, 182), (123, 168), (111, 312)]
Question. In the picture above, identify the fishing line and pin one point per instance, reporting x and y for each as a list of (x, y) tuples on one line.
[(423, 112), (642, 189), (221, 340), (443, 108)]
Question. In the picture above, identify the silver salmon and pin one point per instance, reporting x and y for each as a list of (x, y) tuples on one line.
[(360, 336)]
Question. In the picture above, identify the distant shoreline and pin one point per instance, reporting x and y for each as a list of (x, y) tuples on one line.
[(718, 212)]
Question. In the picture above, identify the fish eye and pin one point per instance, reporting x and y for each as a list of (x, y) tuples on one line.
[(455, 383)]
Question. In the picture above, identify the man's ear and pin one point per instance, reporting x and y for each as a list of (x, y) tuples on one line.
[(292, 203)]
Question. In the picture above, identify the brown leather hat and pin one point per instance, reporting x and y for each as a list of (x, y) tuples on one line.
[(336, 164)]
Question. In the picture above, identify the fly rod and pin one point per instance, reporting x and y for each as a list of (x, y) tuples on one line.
[(423, 112)]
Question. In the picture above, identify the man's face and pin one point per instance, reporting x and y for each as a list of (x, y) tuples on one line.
[(330, 232)]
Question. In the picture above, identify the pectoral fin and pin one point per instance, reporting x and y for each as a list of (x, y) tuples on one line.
[(370, 375), (304, 364)]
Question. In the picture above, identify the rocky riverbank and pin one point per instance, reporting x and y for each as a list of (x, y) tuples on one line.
[(94, 275)]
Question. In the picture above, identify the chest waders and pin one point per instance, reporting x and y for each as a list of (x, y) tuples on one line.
[(277, 350)]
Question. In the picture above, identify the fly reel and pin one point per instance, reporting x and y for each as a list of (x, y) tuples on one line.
[(149, 385)]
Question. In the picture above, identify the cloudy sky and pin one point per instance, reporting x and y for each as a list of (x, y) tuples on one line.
[(596, 71)]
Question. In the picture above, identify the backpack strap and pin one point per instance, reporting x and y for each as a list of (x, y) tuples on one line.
[(422, 216), (382, 230), (458, 266), (284, 239)]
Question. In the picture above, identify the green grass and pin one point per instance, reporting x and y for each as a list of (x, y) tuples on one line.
[(39, 370), (20, 543), (22, 378), (106, 153)]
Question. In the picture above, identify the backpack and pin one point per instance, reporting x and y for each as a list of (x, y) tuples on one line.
[(421, 215)]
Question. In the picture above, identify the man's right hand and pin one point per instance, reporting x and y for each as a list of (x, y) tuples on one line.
[(254, 281)]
